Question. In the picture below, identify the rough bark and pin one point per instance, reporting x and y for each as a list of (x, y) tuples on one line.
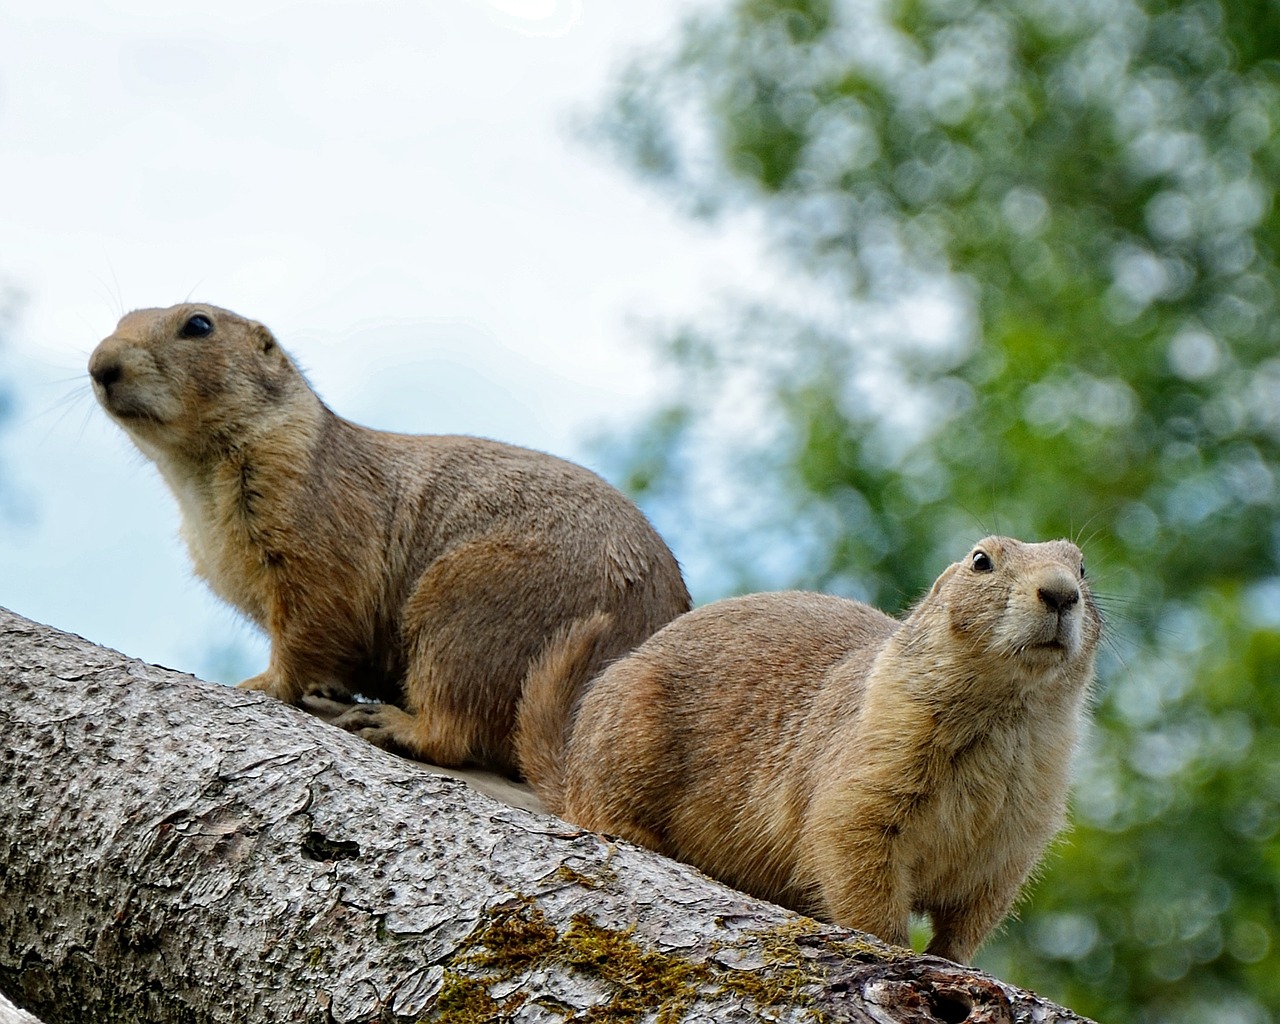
[(178, 851)]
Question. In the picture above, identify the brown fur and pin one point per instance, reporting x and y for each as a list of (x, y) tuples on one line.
[(426, 572), (818, 753)]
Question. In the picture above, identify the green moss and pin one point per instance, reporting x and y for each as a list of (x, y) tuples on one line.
[(513, 939), (516, 939), (639, 979), (788, 977), (601, 878), (464, 1000)]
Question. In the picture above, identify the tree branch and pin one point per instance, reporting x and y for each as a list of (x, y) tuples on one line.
[(179, 851)]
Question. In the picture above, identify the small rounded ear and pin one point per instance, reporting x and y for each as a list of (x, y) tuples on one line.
[(947, 573), (266, 340)]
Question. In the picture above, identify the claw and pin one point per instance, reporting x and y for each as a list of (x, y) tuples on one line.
[(323, 708)]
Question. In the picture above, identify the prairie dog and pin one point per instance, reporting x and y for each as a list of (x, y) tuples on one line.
[(815, 752), (425, 572)]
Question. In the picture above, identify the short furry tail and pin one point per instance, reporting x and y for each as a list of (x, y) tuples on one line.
[(544, 718)]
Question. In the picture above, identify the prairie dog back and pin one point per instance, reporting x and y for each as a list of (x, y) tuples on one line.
[(707, 752)]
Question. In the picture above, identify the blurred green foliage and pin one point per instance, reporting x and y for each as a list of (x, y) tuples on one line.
[(1034, 275)]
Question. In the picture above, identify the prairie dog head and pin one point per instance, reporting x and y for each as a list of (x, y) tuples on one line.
[(193, 379), (1023, 612)]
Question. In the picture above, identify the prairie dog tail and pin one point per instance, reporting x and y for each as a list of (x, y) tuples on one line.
[(544, 718)]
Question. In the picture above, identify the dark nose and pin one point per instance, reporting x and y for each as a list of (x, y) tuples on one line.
[(1059, 595), (107, 373)]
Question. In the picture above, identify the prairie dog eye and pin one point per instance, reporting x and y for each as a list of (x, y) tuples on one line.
[(981, 562), (1082, 576), (197, 326)]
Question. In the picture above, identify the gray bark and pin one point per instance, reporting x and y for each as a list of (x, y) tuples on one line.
[(172, 850)]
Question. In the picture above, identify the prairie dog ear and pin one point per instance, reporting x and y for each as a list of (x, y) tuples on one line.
[(947, 573), (265, 339)]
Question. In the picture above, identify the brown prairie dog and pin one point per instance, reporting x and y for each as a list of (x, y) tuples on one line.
[(815, 752), (425, 572)]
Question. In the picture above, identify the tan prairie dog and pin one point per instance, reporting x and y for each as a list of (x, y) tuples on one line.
[(427, 573), (815, 752)]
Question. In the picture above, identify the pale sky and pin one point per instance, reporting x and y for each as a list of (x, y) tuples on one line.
[(394, 188)]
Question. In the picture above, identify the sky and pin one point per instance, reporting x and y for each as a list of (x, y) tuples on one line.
[(400, 190)]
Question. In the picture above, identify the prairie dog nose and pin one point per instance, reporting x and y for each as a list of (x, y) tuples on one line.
[(1058, 591), (105, 372)]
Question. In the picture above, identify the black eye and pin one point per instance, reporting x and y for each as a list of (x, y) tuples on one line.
[(197, 326), (981, 562), (1082, 568)]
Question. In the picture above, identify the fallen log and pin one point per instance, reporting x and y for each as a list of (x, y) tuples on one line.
[(177, 851)]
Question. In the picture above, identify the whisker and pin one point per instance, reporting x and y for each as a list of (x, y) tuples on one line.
[(110, 292), (64, 406), (120, 310), (978, 520), (84, 422), (1085, 542)]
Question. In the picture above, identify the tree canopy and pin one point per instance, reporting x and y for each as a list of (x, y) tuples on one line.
[(1033, 276)]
